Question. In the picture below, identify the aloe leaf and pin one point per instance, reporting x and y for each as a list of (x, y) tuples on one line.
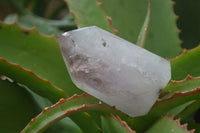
[(189, 83), (129, 15), (17, 107), (142, 36), (68, 107), (112, 124), (163, 34), (29, 20), (186, 63), (190, 109), (188, 22), (89, 13), (176, 110), (162, 107), (176, 87), (65, 125), (45, 26), (48, 62), (169, 125), (40, 86), (35, 52)]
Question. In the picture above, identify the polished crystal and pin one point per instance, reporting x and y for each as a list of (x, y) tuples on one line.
[(114, 70)]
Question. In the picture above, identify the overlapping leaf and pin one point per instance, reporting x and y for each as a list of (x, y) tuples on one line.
[(68, 107), (163, 35), (186, 63), (89, 13), (28, 78), (128, 17), (189, 83), (17, 107), (188, 22), (30, 20), (189, 110), (162, 107), (35, 52), (169, 125), (177, 96), (112, 124), (43, 25)]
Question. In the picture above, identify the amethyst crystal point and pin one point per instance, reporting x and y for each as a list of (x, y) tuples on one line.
[(114, 70)]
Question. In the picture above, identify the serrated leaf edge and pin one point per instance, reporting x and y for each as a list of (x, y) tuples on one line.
[(188, 78), (123, 123), (34, 28), (178, 94), (68, 112), (36, 76), (108, 18), (177, 18), (184, 52), (177, 121)]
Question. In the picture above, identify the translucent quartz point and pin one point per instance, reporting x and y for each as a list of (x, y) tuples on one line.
[(114, 70)]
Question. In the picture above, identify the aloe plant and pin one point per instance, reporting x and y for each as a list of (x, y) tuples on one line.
[(37, 94)]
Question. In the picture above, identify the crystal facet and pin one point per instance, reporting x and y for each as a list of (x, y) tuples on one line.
[(114, 70)]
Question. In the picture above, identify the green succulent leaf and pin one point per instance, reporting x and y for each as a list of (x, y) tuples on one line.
[(45, 26), (17, 107), (129, 15), (163, 34), (163, 107), (112, 124), (169, 125), (189, 83), (186, 64), (142, 36), (69, 107), (189, 110), (188, 22), (26, 77), (30, 20), (35, 52), (41, 55), (89, 13)]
